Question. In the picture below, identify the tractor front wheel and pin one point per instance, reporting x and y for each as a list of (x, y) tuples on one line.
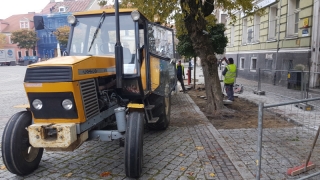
[(134, 145), (18, 155)]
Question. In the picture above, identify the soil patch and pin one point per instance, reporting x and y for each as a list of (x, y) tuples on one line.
[(245, 114)]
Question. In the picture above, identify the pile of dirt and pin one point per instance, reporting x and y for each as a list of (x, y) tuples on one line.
[(242, 114)]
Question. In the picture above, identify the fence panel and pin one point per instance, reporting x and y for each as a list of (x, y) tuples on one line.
[(285, 139)]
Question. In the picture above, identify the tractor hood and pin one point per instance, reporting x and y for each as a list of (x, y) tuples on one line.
[(70, 68)]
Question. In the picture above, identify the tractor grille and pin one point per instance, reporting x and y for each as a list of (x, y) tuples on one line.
[(48, 74), (89, 98)]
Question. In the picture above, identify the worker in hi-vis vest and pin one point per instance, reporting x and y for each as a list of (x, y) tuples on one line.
[(229, 77), (180, 73)]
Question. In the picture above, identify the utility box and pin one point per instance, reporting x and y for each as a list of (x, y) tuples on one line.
[(294, 80)]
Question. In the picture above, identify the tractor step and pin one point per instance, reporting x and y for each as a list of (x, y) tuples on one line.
[(154, 120), (150, 107)]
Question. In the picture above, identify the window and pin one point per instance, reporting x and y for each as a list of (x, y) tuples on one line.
[(253, 65), (287, 64), (244, 31), (9, 40), (60, 22), (223, 18), (242, 63), (50, 23), (250, 35), (24, 24), (44, 39), (27, 53), (34, 53), (62, 9), (293, 17), (19, 54), (256, 28), (296, 19), (232, 36), (273, 22)]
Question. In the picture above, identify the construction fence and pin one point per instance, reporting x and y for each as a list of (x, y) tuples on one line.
[(285, 138)]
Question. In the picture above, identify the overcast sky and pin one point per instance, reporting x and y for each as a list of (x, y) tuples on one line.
[(12, 7)]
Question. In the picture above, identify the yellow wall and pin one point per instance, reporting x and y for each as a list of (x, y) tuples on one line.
[(306, 11)]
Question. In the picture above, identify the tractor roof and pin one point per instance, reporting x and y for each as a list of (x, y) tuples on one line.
[(108, 11)]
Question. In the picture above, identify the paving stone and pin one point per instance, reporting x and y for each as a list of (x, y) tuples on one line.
[(162, 149)]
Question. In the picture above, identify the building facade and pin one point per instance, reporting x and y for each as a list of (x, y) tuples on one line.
[(14, 23), (47, 41), (54, 16), (276, 41)]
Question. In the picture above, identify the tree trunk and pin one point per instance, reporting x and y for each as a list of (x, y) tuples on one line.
[(195, 24)]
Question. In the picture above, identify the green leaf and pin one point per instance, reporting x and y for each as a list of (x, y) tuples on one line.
[(24, 38)]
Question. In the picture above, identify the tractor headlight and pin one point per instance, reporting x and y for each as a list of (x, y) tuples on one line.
[(37, 104), (135, 15), (67, 104), (71, 19)]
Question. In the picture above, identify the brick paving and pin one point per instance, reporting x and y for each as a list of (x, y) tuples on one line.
[(183, 151)]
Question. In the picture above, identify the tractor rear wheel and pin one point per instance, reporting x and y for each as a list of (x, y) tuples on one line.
[(18, 155), (134, 145), (162, 110)]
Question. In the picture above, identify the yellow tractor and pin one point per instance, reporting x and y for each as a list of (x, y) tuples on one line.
[(118, 70)]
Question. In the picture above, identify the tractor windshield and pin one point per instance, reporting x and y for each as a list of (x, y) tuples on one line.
[(105, 39)]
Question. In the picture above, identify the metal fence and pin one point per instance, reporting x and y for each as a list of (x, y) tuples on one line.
[(284, 84), (285, 138)]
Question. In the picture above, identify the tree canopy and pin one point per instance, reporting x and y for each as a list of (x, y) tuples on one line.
[(196, 28), (149, 8), (62, 34), (2, 40), (24, 38)]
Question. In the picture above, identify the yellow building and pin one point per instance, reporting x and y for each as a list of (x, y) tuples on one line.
[(275, 41)]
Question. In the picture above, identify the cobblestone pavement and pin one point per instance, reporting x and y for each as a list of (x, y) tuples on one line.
[(283, 148), (183, 151)]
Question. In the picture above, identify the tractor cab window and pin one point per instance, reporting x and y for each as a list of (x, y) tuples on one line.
[(83, 41), (160, 41)]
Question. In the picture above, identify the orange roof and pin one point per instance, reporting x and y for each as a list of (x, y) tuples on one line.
[(12, 23), (70, 5)]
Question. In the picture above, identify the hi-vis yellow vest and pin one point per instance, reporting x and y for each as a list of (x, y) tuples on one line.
[(231, 74)]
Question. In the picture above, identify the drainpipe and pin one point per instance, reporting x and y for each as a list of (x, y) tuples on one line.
[(315, 43), (238, 47), (278, 42)]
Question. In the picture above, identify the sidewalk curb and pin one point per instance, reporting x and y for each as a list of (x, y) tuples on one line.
[(236, 161)]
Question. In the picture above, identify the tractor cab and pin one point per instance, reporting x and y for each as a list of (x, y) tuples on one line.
[(119, 69)]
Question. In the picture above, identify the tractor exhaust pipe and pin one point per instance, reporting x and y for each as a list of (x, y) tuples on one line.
[(118, 49)]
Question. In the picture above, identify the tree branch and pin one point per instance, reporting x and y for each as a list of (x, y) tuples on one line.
[(207, 8)]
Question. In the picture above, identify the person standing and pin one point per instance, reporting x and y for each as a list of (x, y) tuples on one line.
[(180, 73), (229, 77)]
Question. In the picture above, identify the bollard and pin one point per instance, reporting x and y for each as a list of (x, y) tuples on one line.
[(189, 73), (259, 92), (120, 113)]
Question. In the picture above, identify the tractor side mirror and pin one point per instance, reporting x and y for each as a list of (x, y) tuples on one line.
[(38, 22)]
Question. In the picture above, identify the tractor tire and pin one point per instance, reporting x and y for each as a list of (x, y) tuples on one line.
[(134, 145), (162, 110), (18, 155)]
